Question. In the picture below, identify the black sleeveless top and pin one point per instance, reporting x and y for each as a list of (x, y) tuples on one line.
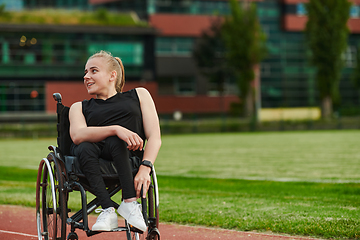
[(121, 109)]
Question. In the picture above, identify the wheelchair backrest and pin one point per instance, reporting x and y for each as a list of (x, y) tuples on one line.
[(63, 125)]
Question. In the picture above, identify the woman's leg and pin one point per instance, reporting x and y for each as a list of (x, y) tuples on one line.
[(129, 209), (88, 155), (116, 149)]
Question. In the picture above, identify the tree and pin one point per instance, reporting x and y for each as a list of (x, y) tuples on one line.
[(245, 48), (326, 34), (209, 54), (356, 73)]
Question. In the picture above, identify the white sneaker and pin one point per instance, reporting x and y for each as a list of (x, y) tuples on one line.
[(106, 221), (132, 213)]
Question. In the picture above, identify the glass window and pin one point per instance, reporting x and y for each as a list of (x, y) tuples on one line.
[(174, 46), (184, 85), (13, 5), (130, 53), (174, 85), (22, 96), (300, 9), (355, 11), (349, 56)]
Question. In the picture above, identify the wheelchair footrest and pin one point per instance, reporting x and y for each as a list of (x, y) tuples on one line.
[(118, 229)]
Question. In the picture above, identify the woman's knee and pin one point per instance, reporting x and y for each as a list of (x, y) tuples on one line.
[(115, 144), (86, 150)]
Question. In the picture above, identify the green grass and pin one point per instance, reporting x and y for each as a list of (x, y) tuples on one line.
[(301, 183), (302, 156)]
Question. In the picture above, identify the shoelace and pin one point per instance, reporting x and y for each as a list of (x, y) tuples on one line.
[(102, 214)]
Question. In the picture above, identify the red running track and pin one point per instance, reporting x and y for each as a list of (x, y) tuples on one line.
[(19, 223)]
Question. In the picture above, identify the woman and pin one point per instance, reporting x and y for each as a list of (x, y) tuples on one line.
[(112, 126)]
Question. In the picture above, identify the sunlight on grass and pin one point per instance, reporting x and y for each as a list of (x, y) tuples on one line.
[(200, 180), (322, 155), (282, 156), (24, 153)]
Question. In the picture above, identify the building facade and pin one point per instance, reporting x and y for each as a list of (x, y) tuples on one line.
[(49, 58)]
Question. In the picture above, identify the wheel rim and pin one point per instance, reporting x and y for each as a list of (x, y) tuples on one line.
[(51, 205), (49, 213)]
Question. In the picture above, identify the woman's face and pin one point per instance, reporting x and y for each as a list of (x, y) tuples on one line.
[(97, 76)]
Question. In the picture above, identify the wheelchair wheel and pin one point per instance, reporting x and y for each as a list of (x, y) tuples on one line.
[(150, 209), (50, 201)]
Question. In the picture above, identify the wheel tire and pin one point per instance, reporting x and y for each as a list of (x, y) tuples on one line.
[(152, 214), (50, 196)]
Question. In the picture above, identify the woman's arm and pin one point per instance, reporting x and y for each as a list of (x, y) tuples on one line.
[(153, 136), (80, 132)]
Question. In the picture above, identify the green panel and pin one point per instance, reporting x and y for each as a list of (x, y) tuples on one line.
[(47, 51), (5, 52), (130, 53), (292, 70), (175, 45), (29, 58), (3, 98)]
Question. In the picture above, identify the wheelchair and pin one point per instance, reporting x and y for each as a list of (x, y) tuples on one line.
[(59, 174)]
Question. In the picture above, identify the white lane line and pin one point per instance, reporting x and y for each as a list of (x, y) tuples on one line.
[(17, 233)]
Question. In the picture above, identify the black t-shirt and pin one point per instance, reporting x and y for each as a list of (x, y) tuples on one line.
[(121, 109)]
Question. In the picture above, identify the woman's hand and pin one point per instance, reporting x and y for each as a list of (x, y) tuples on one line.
[(142, 180), (132, 139)]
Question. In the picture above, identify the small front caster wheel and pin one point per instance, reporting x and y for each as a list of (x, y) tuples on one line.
[(72, 236)]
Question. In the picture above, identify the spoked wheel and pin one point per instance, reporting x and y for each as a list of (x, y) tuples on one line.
[(150, 209), (153, 209), (50, 201)]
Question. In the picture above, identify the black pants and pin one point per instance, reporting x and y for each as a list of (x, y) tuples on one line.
[(111, 148)]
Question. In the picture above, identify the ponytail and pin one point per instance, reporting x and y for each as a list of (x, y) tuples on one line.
[(121, 80)]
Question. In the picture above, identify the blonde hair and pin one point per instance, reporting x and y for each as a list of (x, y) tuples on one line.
[(114, 63)]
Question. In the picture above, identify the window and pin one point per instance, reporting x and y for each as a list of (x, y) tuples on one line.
[(350, 57), (300, 9), (184, 85), (355, 11), (22, 96), (130, 53), (12, 5), (174, 46), (265, 69), (173, 85)]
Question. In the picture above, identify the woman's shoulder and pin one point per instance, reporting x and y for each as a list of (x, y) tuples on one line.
[(141, 91), (136, 92), (80, 104), (76, 105)]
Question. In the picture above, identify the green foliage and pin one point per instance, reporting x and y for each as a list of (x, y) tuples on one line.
[(326, 34), (3, 13), (356, 73), (102, 15), (245, 43), (232, 48), (69, 17), (209, 54), (2, 9)]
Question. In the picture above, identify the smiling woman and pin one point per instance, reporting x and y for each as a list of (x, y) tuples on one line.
[(100, 69), (112, 126)]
